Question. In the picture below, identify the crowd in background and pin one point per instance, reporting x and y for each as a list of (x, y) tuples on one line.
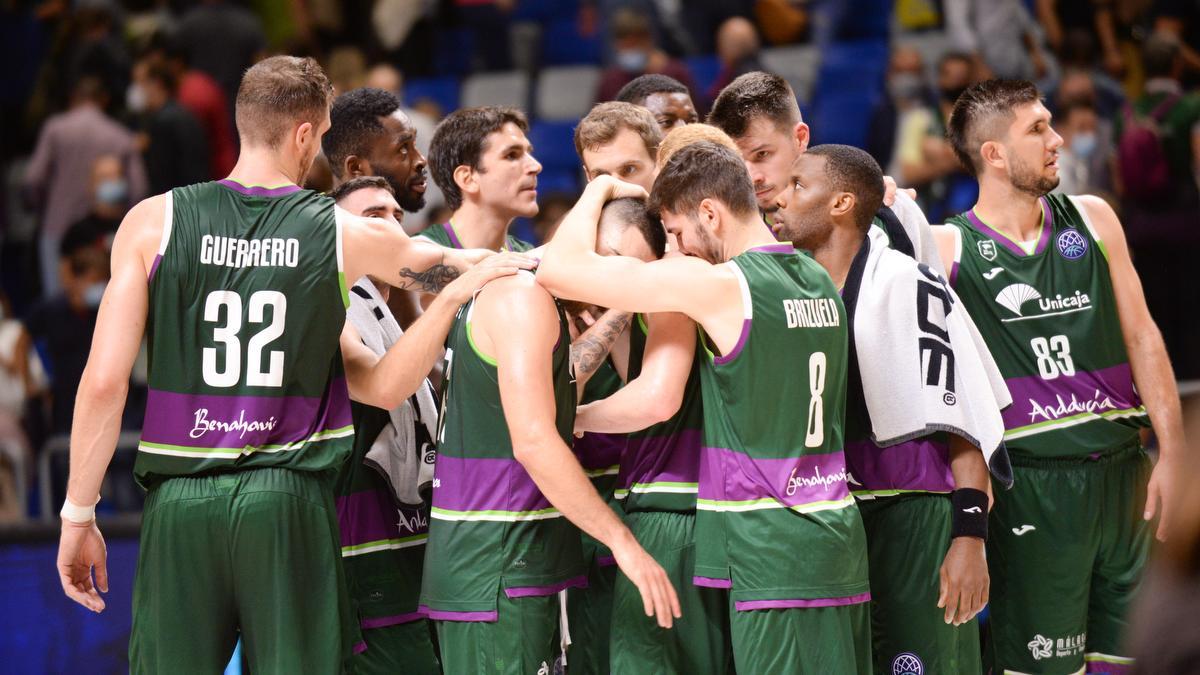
[(106, 103)]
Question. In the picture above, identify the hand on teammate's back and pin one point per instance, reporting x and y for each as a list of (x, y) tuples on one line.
[(964, 580), (80, 549), (658, 595), (492, 267)]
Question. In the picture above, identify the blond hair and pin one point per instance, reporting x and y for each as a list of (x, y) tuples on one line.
[(681, 137)]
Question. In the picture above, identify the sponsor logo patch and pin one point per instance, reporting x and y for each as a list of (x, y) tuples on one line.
[(1071, 245), (987, 249), (1024, 529), (907, 663)]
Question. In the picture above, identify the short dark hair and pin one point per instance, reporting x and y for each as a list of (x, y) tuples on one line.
[(754, 95), (278, 92), (1159, 54), (360, 183), (354, 124), (461, 139), (962, 57), (701, 171), (606, 120), (643, 87), (631, 212), (852, 170), (982, 114)]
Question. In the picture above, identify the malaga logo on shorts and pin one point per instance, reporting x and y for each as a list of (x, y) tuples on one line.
[(907, 663), (1071, 244)]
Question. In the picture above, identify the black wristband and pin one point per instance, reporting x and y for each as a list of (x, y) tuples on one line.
[(970, 516)]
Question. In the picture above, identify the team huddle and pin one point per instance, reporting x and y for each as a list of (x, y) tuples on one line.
[(744, 411)]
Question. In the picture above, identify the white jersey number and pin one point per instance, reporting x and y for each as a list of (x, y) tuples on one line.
[(1053, 356), (230, 373), (815, 435)]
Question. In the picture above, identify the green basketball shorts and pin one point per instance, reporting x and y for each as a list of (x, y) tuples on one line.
[(523, 640), (805, 641), (589, 614), (400, 648)]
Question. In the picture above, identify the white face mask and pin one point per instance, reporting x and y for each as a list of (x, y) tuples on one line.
[(135, 98), (93, 294), (1083, 144)]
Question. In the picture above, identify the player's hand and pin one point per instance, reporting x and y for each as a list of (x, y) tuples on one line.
[(963, 590), (658, 595), (1160, 492), (889, 191), (493, 267), (80, 549), (614, 188)]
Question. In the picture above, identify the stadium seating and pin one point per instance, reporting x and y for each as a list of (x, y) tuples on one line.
[(562, 44), (566, 93), (849, 84), (554, 146), (505, 88), (704, 70), (444, 91), (798, 65)]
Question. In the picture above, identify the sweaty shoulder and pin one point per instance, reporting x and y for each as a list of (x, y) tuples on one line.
[(515, 305), (141, 229)]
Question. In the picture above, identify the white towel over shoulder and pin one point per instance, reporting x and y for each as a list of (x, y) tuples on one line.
[(923, 363)]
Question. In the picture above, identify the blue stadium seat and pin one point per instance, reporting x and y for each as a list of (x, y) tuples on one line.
[(545, 10), (452, 51), (849, 85), (554, 146), (562, 44), (704, 70), (560, 180), (441, 90)]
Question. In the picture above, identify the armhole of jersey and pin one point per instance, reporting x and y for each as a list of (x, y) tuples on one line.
[(1087, 222), (747, 317), (953, 273), (338, 214), (471, 332), (165, 240)]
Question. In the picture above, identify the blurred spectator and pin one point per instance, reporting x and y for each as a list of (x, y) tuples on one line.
[(58, 178), (553, 209), (1158, 152), (347, 69), (110, 199), (1059, 18), (1002, 38), (97, 48), (665, 97), (1079, 58), (636, 54), (905, 112), (200, 94), (64, 324), (1181, 20), (737, 50), (1086, 153), (782, 21), (488, 21), (21, 379), (222, 39), (175, 149)]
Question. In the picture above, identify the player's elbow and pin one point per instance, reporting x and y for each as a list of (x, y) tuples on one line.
[(663, 405), (530, 446), (99, 386)]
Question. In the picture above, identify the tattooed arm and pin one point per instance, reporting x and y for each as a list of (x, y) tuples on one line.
[(430, 280), (589, 350)]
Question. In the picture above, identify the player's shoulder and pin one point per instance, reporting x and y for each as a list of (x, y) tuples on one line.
[(513, 292)]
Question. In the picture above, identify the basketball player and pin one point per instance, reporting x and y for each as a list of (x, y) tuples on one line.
[(776, 523), (240, 287), (1049, 281), (500, 549), (665, 97), (384, 526), (370, 135), (924, 501), (485, 168)]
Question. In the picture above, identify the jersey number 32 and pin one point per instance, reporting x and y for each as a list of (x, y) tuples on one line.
[(229, 373)]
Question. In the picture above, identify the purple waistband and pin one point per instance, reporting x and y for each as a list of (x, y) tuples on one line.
[(801, 603), (395, 620), (445, 615), (730, 476), (606, 561), (710, 582), (550, 589)]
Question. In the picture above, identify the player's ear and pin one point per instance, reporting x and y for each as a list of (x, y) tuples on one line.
[(993, 154), (709, 214), (464, 178), (354, 166), (843, 203), (802, 136), (304, 134)]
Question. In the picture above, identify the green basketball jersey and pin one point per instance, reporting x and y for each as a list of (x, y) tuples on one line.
[(661, 465), (775, 519), (1050, 320), (600, 455), (491, 527), (446, 235), (247, 302)]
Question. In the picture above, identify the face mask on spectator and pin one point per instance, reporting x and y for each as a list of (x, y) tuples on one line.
[(135, 98), (112, 192), (1083, 144), (632, 60), (93, 294), (905, 86)]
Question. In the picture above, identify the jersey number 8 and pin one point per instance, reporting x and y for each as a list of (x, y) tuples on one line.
[(231, 372)]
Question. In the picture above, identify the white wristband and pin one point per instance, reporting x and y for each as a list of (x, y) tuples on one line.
[(80, 515)]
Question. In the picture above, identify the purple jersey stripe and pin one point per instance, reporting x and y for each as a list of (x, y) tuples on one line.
[(444, 615), (360, 646), (674, 458), (954, 273), (1101, 667), (1043, 238), (729, 476), (773, 248), (710, 582), (154, 267), (242, 421), (258, 190), (606, 561), (599, 451), (371, 515), (394, 620), (737, 348), (549, 589), (452, 234), (921, 464), (800, 603), (1037, 401), (484, 484)]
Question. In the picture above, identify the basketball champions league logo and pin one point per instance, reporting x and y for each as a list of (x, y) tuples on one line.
[(907, 663), (1071, 245)]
